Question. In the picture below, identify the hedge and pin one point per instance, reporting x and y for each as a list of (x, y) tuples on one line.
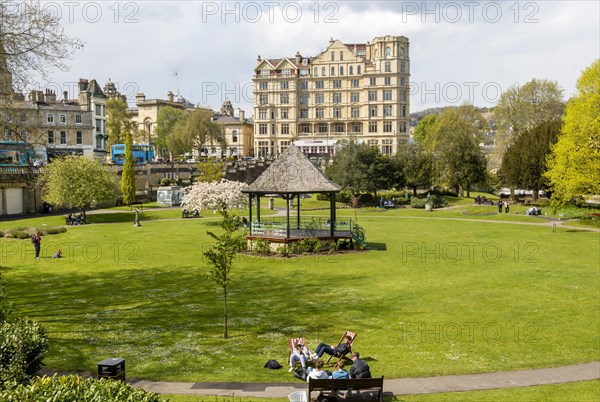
[(23, 345)]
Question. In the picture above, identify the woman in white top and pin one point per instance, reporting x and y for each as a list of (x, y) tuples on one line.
[(317, 373)]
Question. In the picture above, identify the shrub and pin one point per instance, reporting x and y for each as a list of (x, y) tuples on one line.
[(23, 345), (165, 182), (261, 246), (418, 202), (436, 202), (50, 230), (75, 388)]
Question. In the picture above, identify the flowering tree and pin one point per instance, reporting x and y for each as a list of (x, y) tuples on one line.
[(221, 195)]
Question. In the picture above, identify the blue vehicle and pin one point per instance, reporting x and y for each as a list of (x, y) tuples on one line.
[(16, 153), (142, 153)]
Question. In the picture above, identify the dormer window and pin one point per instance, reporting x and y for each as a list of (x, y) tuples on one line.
[(265, 72), (287, 72)]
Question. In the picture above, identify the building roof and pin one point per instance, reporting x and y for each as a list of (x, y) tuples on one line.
[(292, 173)]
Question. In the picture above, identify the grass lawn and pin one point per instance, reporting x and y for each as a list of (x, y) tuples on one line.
[(435, 296)]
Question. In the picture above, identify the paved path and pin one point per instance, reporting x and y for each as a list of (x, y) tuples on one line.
[(400, 386)]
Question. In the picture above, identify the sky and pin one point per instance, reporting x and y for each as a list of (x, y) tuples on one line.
[(460, 51)]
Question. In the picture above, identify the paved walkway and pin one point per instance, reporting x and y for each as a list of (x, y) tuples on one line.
[(400, 386)]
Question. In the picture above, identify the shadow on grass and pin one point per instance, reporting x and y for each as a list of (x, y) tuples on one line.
[(377, 246)]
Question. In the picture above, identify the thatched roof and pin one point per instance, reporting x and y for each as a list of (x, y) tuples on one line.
[(292, 173)]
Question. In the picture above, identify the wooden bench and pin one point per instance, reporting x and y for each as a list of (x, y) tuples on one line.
[(352, 384)]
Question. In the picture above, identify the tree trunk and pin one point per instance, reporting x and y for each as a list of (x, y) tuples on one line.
[(225, 334), (415, 191), (534, 195)]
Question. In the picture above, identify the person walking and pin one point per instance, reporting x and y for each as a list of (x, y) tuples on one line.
[(37, 241)]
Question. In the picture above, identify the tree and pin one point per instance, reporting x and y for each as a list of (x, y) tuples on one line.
[(128, 174), (416, 165), (524, 162), (574, 164), (522, 108), (198, 131), (167, 120), (459, 161), (222, 254), (423, 130), (216, 196), (78, 181), (210, 171), (32, 41), (118, 122)]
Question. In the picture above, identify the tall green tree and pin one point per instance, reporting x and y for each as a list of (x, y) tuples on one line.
[(459, 162), (422, 134), (222, 255), (197, 131), (574, 164), (167, 120), (415, 163), (78, 181), (524, 162), (521, 108), (128, 174), (118, 122)]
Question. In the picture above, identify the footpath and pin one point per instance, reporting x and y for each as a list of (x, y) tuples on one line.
[(399, 386)]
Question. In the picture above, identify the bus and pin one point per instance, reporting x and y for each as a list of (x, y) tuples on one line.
[(142, 153), (16, 153)]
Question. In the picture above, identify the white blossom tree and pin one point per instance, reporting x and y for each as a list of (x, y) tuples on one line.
[(221, 195)]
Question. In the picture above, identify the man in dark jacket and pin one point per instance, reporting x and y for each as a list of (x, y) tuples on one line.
[(360, 368)]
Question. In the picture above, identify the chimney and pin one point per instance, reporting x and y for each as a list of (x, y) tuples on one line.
[(83, 83), (170, 96), (298, 57), (258, 59), (65, 96), (32, 96), (50, 96), (140, 97), (242, 115)]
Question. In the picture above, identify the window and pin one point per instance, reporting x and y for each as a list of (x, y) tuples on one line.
[(337, 112), (79, 138), (319, 98), (283, 84), (388, 67), (62, 118), (304, 113), (372, 126), (358, 70), (355, 111), (63, 137), (388, 52), (50, 118), (332, 71), (262, 113), (234, 136), (403, 111), (285, 99), (387, 147), (373, 81), (285, 113), (322, 71), (319, 84), (286, 72), (303, 84), (337, 97), (50, 137), (401, 52), (98, 126), (372, 95), (354, 83), (356, 128), (337, 83), (387, 111), (402, 67), (350, 70), (319, 113), (77, 118), (332, 56), (304, 99), (341, 55), (273, 129), (387, 94), (322, 128), (402, 81), (284, 145), (262, 128), (263, 85), (23, 117), (403, 127), (315, 71), (304, 72), (403, 96), (265, 72), (98, 110), (285, 128), (387, 126), (387, 80), (338, 127), (373, 111), (341, 70), (263, 148), (354, 97), (263, 98), (304, 128)]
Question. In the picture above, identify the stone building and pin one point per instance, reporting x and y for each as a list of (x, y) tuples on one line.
[(347, 91), (238, 132)]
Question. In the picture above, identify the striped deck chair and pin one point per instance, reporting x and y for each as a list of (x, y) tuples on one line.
[(352, 336), (292, 345)]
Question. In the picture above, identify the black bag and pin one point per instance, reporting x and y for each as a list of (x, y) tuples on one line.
[(272, 364), (301, 373)]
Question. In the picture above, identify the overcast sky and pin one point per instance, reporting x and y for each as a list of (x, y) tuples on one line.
[(459, 50)]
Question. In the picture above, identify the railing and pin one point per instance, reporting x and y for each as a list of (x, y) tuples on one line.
[(306, 227), (22, 170)]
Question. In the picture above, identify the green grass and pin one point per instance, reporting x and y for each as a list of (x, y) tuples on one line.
[(441, 295)]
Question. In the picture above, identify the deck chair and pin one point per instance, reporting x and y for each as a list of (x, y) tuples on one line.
[(292, 345), (352, 336)]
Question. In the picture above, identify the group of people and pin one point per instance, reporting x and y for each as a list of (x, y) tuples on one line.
[(301, 354), (504, 204), (73, 219), (36, 240), (483, 200)]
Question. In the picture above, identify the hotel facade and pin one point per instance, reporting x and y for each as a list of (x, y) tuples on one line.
[(348, 91)]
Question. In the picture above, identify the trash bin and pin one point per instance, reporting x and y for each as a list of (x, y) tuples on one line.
[(113, 368)]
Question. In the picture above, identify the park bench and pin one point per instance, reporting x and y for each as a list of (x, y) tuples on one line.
[(352, 385)]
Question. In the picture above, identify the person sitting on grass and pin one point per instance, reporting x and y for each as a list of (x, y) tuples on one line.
[(360, 368), (317, 373), (340, 371), (58, 254)]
